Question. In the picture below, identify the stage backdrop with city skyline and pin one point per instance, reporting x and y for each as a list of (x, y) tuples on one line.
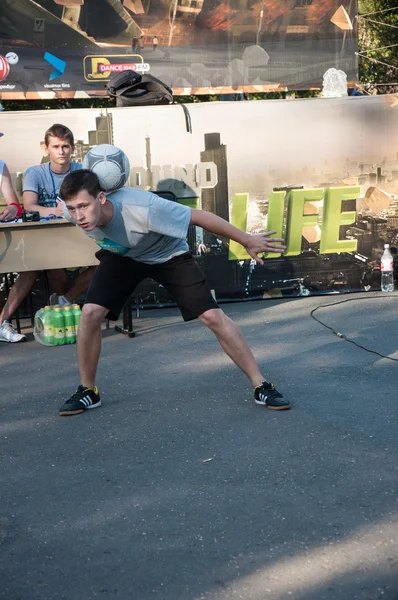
[(71, 48), (322, 172)]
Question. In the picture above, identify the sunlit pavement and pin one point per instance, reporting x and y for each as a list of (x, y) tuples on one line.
[(180, 488)]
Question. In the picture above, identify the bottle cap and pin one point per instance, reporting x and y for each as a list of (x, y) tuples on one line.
[(57, 308), (386, 245), (67, 307), (47, 308)]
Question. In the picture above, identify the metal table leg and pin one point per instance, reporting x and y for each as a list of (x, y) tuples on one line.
[(127, 327)]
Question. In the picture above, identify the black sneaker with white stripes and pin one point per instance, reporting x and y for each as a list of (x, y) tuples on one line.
[(83, 399), (267, 395)]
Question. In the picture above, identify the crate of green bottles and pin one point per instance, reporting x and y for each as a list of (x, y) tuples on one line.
[(57, 325)]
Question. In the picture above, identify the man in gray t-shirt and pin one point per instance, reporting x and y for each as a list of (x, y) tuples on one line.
[(40, 192), (144, 227), (44, 182), (142, 235)]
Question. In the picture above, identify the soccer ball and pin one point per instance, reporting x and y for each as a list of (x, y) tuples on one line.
[(110, 164)]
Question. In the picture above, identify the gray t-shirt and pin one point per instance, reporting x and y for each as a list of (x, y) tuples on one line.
[(144, 227), (45, 183)]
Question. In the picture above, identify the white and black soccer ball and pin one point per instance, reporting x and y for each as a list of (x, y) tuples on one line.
[(110, 164)]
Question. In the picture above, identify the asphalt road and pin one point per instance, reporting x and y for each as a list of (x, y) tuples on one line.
[(180, 488)]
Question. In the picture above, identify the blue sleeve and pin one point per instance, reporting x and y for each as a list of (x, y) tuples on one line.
[(31, 181), (168, 218)]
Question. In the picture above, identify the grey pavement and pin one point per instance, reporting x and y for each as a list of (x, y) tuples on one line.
[(180, 488)]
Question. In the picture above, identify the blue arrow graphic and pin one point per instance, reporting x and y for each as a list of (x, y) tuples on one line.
[(57, 63)]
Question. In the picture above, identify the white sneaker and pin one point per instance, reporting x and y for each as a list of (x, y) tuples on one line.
[(8, 333), (56, 300)]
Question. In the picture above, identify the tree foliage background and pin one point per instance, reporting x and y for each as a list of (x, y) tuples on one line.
[(374, 33)]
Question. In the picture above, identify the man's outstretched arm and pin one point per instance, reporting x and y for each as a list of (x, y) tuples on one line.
[(256, 243)]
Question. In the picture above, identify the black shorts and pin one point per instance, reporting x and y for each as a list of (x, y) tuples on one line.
[(117, 276)]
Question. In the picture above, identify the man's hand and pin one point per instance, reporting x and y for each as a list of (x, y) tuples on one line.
[(258, 243), (9, 213), (59, 210), (255, 244)]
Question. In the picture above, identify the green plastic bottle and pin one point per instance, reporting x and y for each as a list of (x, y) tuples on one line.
[(48, 326), (70, 336), (77, 313), (59, 327)]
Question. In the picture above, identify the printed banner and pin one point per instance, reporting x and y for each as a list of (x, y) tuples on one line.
[(71, 48), (323, 173)]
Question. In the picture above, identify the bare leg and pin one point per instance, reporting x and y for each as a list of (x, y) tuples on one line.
[(89, 342), (58, 280), (233, 343), (62, 285), (18, 292), (81, 284)]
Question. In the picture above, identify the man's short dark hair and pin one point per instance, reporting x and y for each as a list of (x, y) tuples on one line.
[(61, 132), (77, 181)]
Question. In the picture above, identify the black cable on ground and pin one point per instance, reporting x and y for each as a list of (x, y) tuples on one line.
[(344, 337)]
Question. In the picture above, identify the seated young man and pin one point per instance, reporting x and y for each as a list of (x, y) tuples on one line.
[(142, 235), (40, 192)]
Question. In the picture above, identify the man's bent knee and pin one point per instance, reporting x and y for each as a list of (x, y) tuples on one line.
[(93, 313), (213, 318)]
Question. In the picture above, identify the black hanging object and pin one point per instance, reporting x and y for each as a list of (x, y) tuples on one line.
[(132, 89)]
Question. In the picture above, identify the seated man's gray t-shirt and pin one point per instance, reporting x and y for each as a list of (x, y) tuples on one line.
[(144, 227), (45, 183)]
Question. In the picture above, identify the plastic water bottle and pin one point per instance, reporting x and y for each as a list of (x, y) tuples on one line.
[(77, 313), (70, 337), (39, 325), (59, 327), (387, 270), (48, 326)]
